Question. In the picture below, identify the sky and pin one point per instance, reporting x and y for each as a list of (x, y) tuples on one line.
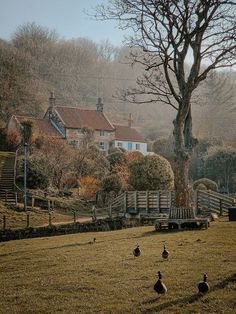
[(66, 17)]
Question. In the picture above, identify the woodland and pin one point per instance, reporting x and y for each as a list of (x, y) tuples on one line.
[(36, 61)]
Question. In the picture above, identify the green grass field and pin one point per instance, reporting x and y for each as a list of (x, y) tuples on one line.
[(66, 274)]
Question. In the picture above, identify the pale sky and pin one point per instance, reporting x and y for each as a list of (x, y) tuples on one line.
[(66, 17)]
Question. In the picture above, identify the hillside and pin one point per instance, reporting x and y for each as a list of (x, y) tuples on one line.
[(36, 61), (66, 274)]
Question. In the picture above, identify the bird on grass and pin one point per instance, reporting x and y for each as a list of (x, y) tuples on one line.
[(136, 251), (159, 286), (93, 241), (165, 253), (203, 286)]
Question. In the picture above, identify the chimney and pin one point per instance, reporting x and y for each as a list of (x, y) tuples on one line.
[(52, 100), (99, 105), (130, 120)]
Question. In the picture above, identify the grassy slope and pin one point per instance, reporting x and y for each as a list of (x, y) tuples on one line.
[(66, 274), (15, 220)]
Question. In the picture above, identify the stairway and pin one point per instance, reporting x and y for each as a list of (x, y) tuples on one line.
[(7, 193)]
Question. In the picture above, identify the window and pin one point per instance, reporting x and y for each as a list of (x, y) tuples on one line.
[(102, 145), (137, 146), (119, 144), (130, 145), (102, 133)]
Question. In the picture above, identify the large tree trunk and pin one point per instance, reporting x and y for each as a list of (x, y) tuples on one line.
[(182, 189), (184, 143)]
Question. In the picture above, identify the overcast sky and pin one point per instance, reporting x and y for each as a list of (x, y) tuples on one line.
[(67, 17)]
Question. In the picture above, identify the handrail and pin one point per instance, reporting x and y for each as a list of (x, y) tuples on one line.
[(15, 163)]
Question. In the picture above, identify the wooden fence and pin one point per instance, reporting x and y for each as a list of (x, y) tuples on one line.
[(214, 201), (151, 202), (134, 202)]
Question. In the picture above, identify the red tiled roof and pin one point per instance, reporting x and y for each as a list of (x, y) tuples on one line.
[(76, 118), (126, 133), (41, 126)]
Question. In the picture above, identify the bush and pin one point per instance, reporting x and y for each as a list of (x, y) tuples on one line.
[(111, 183), (151, 173), (116, 158), (201, 187), (209, 184)]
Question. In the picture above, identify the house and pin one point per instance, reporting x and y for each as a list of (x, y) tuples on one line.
[(128, 138), (70, 123), (41, 127)]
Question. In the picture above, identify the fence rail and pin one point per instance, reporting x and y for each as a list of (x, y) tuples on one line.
[(149, 202), (214, 201), (143, 201)]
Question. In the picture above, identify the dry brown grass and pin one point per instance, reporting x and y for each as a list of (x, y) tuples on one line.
[(66, 274)]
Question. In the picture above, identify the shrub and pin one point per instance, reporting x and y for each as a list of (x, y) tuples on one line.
[(151, 173), (116, 158), (209, 184), (89, 186), (111, 183), (201, 187)]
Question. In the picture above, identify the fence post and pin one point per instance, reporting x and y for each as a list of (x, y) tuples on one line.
[(6, 196), (4, 223), (27, 221), (49, 203), (16, 200), (110, 211), (74, 216), (221, 207), (49, 219), (135, 200), (147, 201), (32, 203), (125, 201), (158, 201)]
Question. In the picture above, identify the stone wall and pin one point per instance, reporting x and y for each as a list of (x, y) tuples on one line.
[(99, 225)]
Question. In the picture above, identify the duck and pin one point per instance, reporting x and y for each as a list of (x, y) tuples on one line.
[(165, 253), (136, 251), (93, 241), (203, 286), (159, 286)]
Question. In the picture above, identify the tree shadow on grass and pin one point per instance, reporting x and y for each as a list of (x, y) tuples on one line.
[(189, 299)]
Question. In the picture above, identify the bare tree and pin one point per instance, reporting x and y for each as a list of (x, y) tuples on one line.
[(165, 34)]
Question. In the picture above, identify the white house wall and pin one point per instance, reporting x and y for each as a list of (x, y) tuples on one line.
[(125, 144)]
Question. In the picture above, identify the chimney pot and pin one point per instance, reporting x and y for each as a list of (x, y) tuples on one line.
[(99, 105)]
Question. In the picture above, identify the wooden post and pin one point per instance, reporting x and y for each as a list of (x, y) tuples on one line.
[(147, 203), (4, 223), (32, 203), (135, 200), (110, 211), (27, 221), (170, 199), (158, 201), (49, 219), (49, 203), (6, 196), (16, 200), (125, 201), (74, 216), (221, 207)]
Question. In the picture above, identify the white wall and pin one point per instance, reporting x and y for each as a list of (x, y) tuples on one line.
[(125, 144)]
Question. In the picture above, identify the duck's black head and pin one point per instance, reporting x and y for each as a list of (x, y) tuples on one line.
[(159, 275)]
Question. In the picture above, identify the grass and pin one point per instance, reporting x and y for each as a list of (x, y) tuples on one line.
[(38, 217), (66, 274)]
